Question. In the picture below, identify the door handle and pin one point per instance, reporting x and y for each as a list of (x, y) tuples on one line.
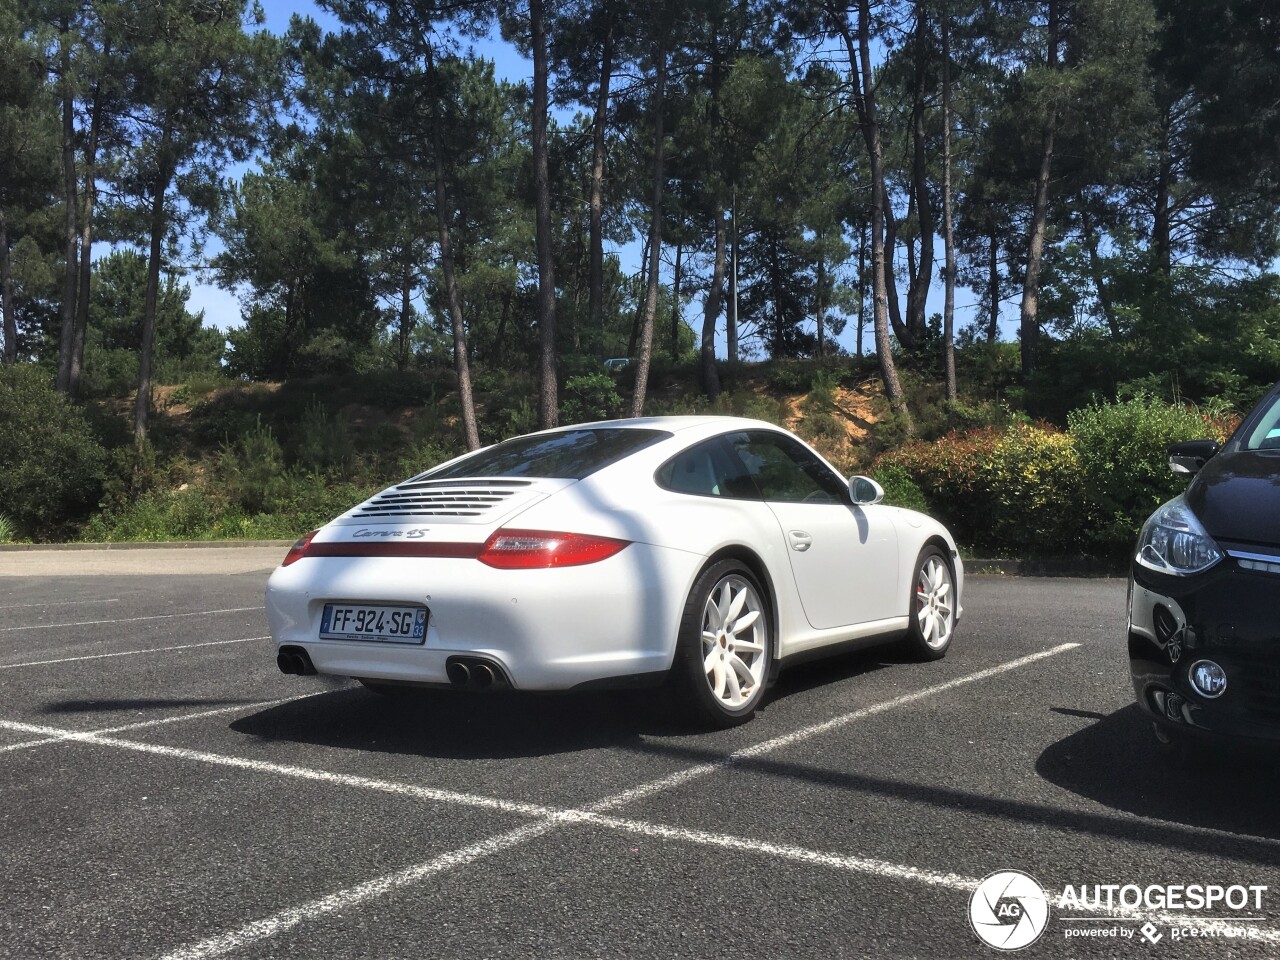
[(800, 541)]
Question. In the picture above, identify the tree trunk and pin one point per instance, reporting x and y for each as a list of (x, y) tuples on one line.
[(6, 296), (499, 335), (655, 237), (1161, 230), (642, 289), (548, 390), (731, 315), (406, 312), (595, 281), (900, 329), (860, 67), (993, 288), (819, 305), (1105, 302), (67, 310), (86, 240), (461, 363), (142, 406), (862, 284), (711, 313), (918, 292), (948, 229), (1029, 325), (675, 307)]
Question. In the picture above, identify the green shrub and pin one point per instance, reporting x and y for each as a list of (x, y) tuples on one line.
[(950, 473), (1030, 488), (1123, 455), (1012, 489), (423, 456), (322, 441), (791, 376), (109, 371), (299, 502), (899, 489), (252, 468), (748, 403), (156, 516), (1032, 481), (7, 531), (52, 468), (593, 396)]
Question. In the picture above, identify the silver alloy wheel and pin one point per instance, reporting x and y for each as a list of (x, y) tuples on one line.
[(734, 634), (935, 615)]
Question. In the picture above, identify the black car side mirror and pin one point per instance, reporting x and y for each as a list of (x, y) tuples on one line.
[(1186, 458)]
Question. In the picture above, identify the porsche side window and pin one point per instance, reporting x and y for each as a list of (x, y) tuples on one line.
[(785, 470), (707, 470)]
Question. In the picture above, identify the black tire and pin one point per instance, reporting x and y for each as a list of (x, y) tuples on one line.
[(930, 608), (717, 695)]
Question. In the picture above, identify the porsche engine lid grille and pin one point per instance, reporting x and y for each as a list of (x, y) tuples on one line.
[(445, 498)]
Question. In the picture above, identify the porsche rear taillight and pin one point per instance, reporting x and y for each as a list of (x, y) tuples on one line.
[(299, 549), (539, 549)]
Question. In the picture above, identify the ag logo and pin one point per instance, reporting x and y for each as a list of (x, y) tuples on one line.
[(1008, 910)]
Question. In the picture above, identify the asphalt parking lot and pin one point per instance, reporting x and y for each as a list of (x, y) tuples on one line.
[(165, 792)]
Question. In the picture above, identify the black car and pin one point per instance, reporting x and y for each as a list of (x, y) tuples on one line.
[(1204, 589)]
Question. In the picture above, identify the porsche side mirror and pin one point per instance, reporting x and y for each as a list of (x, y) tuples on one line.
[(864, 491), (1186, 458)]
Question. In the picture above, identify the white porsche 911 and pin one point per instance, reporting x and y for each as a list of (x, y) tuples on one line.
[(705, 552)]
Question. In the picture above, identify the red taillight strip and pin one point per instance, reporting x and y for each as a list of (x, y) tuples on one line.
[(299, 549), (542, 549), (395, 549)]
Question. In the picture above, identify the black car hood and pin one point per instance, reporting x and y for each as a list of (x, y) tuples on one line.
[(1237, 497)]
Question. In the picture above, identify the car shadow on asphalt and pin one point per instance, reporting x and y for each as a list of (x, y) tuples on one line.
[(153, 703), (450, 724), (1118, 763), (1254, 846)]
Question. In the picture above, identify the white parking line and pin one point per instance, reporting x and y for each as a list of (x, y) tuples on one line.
[(353, 896), (805, 733), (286, 920), (128, 653), (893, 871), (159, 616), (100, 738), (55, 603), (63, 736), (549, 817)]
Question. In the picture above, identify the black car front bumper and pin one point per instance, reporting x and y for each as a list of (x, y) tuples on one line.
[(1229, 615)]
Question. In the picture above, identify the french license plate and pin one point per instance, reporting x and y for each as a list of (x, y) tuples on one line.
[(372, 621)]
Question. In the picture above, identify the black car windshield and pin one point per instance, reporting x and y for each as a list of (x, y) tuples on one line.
[(567, 455), (1265, 434)]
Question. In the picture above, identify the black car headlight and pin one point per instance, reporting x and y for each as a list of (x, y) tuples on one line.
[(1174, 541)]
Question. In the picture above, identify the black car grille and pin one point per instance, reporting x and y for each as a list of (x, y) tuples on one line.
[(1255, 674)]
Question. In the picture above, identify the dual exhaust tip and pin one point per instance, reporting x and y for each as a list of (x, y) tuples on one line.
[(295, 661), (475, 673), (465, 673)]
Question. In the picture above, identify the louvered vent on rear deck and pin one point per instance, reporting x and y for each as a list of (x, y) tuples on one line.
[(442, 498)]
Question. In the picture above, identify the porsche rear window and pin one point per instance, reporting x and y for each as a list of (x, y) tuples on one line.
[(566, 455)]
